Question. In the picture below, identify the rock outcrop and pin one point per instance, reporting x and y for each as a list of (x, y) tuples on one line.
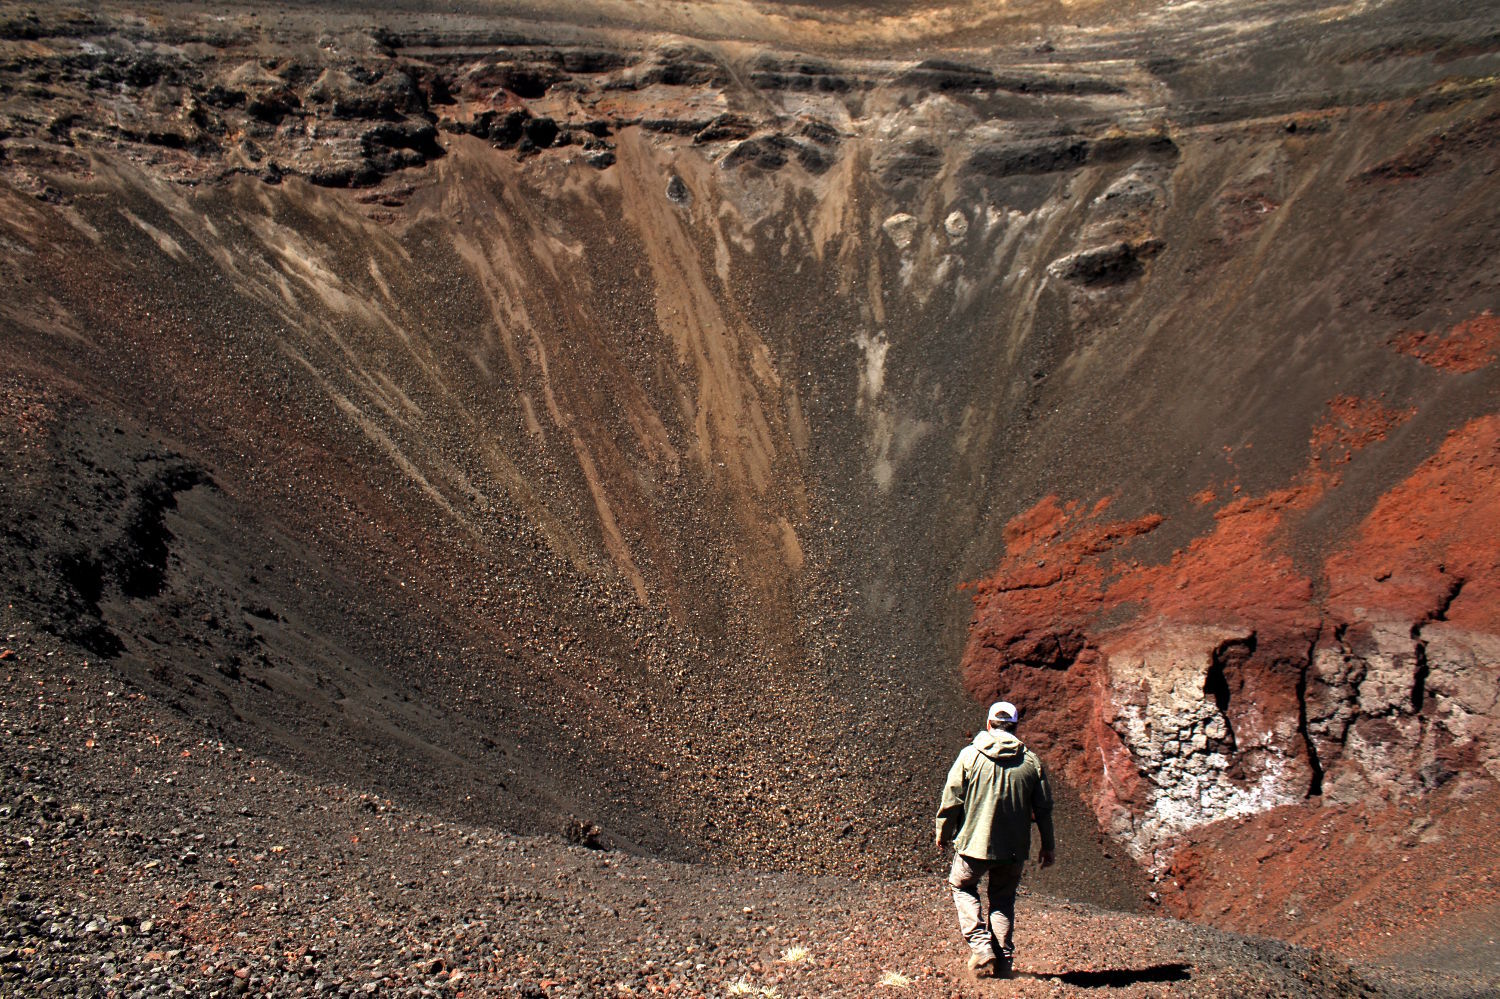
[(1230, 679)]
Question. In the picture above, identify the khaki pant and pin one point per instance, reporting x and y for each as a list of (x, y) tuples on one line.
[(995, 939)]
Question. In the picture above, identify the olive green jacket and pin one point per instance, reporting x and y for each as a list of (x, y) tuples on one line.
[(995, 789)]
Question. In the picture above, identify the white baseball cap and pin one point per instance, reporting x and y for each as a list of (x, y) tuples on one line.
[(1003, 711)]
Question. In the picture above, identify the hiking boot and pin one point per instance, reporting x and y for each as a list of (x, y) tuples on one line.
[(983, 965), (1004, 967)]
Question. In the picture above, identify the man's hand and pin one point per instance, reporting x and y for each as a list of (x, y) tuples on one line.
[(1047, 857), (941, 847)]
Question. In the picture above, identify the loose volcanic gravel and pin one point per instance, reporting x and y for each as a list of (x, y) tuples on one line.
[(141, 859)]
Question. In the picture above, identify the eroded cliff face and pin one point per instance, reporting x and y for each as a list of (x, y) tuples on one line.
[(593, 430)]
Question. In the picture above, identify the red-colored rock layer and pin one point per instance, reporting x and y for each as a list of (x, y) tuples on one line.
[(1372, 878), (1378, 873), (1035, 614), (1433, 533), (1469, 346), (1231, 683)]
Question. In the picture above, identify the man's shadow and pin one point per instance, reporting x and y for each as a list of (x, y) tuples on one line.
[(1115, 979)]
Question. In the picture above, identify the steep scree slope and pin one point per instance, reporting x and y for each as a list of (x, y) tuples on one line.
[(584, 429)]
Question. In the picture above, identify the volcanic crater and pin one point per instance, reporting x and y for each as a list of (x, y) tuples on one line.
[(519, 499)]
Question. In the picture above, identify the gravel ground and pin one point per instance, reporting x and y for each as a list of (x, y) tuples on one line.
[(140, 858)]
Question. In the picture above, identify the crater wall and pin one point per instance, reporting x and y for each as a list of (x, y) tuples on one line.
[(667, 441)]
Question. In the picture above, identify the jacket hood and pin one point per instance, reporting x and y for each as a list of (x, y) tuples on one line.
[(1002, 747)]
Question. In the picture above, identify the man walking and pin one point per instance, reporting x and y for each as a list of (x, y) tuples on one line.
[(995, 789)]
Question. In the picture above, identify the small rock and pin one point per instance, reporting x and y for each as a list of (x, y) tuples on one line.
[(901, 228), (957, 225)]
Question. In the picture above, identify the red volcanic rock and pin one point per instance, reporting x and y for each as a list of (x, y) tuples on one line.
[(1429, 545), (1352, 425), (1146, 682), (1370, 877), (1236, 576), (1105, 655), (1270, 750), (1406, 688), (1469, 346), (1029, 639), (1219, 683)]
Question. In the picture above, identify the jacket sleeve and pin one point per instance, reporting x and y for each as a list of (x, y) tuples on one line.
[(1041, 808), (950, 816)]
